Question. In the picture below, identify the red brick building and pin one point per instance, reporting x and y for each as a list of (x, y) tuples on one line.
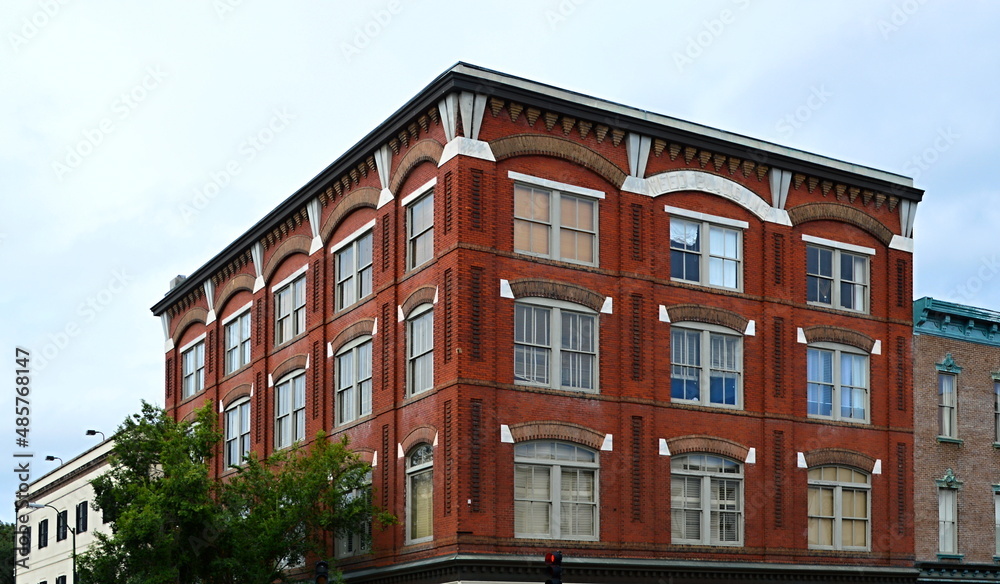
[(555, 322)]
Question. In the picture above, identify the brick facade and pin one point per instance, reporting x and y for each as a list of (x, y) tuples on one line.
[(476, 413)]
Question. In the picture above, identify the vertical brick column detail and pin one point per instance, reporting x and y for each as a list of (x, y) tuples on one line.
[(448, 203), (449, 460), (475, 452), (776, 356), (637, 232), (637, 467), (385, 347), (258, 409), (476, 314), (901, 296), (386, 230), (258, 323), (901, 374), (170, 377), (317, 376), (778, 449), (901, 488), (385, 466), (636, 334), (778, 246), (476, 199), (317, 285), (449, 314), (210, 352)]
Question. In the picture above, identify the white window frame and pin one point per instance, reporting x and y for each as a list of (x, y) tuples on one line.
[(710, 510), (417, 233), (356, 284), (193, 367), (419, 356), (706, 224), (947, 409), (557, 311), (413, 472), (837, 403), (838, 511), (996, 521), (837, 251), (996, 411), (356, 543), (358, 389), (706, 333), (554, 225), (555, 467), (290, 312), (237, 436), (947, 521), (237, 333), (296, 424)]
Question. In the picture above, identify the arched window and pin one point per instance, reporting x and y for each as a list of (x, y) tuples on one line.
[(555, 491), (555, 344), (706, 500), (420, 494), (839, 508), (354, 380)]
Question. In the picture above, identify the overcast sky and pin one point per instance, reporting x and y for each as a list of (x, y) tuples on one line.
[(116, 118)]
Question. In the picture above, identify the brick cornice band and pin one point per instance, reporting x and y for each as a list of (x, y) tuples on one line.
[(552, 430), (419, 296), (554, 290), (289, 365), (836, 334), (529, 144), (707, 315), (359, 329), (840, 457), (191, 316), (293, 245), (709, 445), (357, 199), (426, 150), (835, 212), (419, 435), (238, 283)]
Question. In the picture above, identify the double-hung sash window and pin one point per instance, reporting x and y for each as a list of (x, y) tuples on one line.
[(237, 342), (706, 500), (193, 374), (420, 494), (43, 533), (947, 521), (706, 366), (290, 410), (357, 542), (705, 249), (837, 384), (839, 508), (555, 345), (237, 433), (354, 271), (996, 520), (62, 523), (947, 406), (420, 349), (354, 381), (290, 310), (81, 517), (996, 412), (555, 224), (555, 491), (837, 276), (420, 231)]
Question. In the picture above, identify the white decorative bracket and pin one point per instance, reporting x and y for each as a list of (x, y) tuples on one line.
[(383, 163), (780, 182), (313, 212), (257, 254), (209, 286), (505, 289), (608, 444), (664, 449), (505, 436)]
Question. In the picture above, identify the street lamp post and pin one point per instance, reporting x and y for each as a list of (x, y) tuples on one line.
[(71, 530)]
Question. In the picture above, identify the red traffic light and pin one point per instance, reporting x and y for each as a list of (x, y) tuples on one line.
[(553, 558)]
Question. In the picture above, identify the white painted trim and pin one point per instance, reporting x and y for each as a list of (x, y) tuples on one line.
[(877, 469), (400, 317), (344, 242), (505, 436), (258, 284), (239, 312), (461, 146), (801, 336), (329, 349), (838, 244), (270, 380), (435, 301), (307, 360), (399, 450), (664, 315), (706, 217), (901, 243), (609, 443), (168, 345), (375, 459), (664, 449), (384, 198), (751, 456), (210, 318), (375, 327), (801, 460), (505, 289), (435, 443), (673, 181), (193, 342), (877, 347), (608, 305), (290, 278), (316, 245), (554, 185), (416, 194), (751, 330), (251, 390)]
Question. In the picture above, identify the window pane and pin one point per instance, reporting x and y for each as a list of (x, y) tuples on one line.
[(421, 505)]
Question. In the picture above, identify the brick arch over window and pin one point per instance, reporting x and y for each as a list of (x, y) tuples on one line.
[(707, 315), (192, 316), (236, 393), (359, 329), (289, 365), (836, 334), (419, 435), (419, 296), (365, 197), (839, 457), (291, 246), (237, 283), (836, 212), (709, 445), (532, 144), (426, 150), (365, 455), (554, 290), (552, 430)]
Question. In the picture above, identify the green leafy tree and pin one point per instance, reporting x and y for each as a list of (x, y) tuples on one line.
[(172, 523), (7, 552)]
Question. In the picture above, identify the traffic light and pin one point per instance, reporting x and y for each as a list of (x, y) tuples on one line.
[(322, 572), (554, 562)]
